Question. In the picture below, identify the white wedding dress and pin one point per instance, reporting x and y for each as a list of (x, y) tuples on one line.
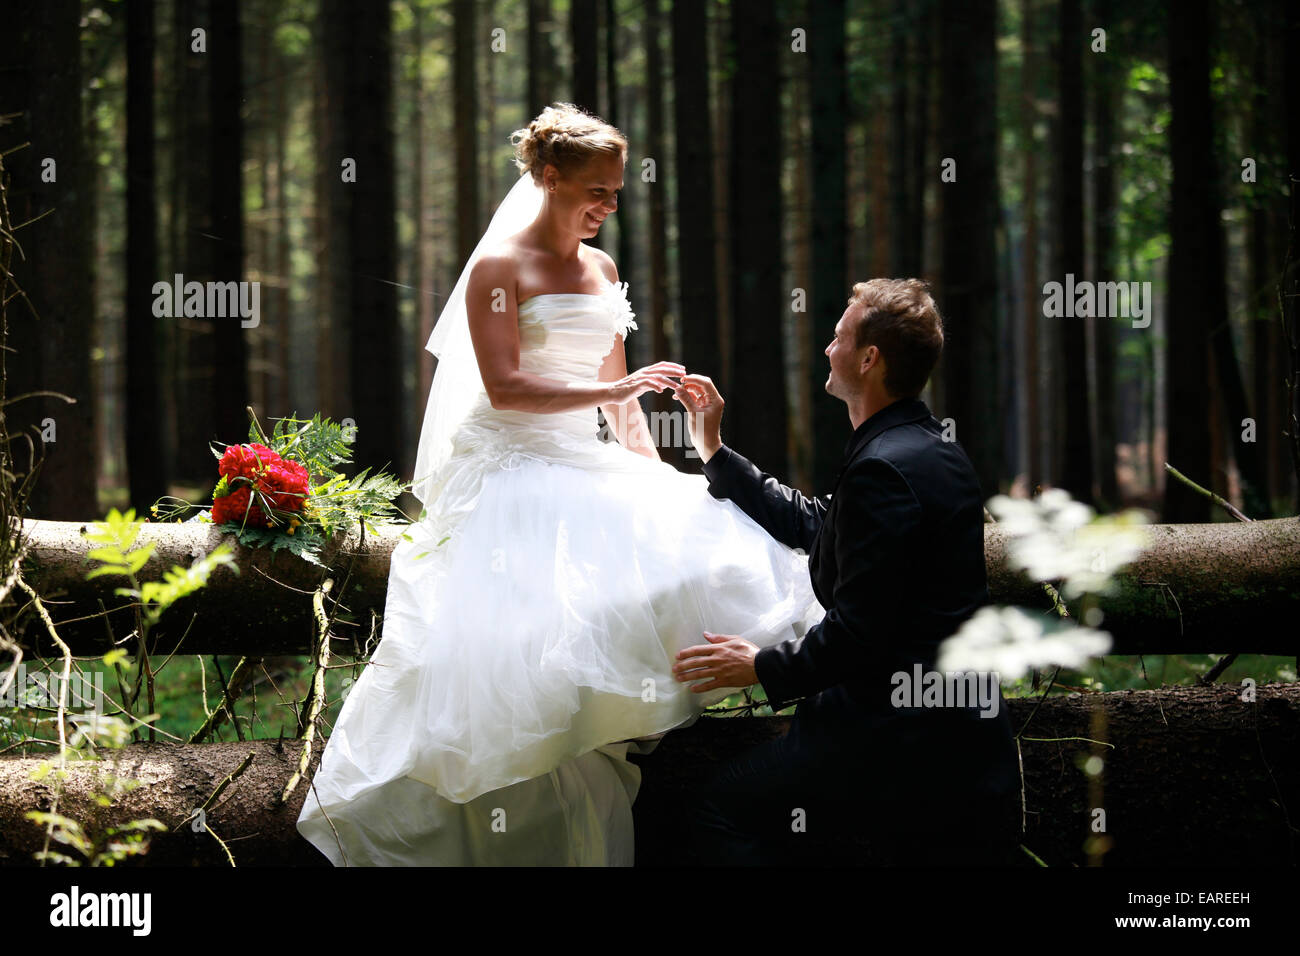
[(531, 623)]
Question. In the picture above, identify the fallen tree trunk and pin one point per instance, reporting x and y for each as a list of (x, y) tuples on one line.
[(1200, 588), (1195, 777)]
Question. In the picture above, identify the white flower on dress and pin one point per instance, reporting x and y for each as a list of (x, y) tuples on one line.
[(615, 299)]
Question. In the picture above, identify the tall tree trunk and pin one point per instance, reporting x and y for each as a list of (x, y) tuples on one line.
[(360, 92), (583, 27), (631, 265), (194, 353), (919, 141), (614, 116), (1289, 284), (1264, 229), (797, 322), (1033, 302), (696, 259), (1076, 474), (51, 179), (466, 110), (423, 280), (1104, 103), (968, 135), (229, 383), (663, 403), (492, 194), (721, 205), (329, 240), (261, 367), (1195, 258), (758, 408), (901, 176), (285, 354), (830, 285), (146, 456), (541, 56), (1234, 408)]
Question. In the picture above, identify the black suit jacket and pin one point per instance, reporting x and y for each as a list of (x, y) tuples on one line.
[(896, 555)]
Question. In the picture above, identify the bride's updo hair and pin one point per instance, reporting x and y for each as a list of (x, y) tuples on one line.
[(566, 137)]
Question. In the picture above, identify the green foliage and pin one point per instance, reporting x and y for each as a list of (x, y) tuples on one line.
[(318, 444), (305, 542), (117, 534), (106, 847), (335, 501)]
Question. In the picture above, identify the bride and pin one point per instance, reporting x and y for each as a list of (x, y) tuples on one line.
[(535, 608)]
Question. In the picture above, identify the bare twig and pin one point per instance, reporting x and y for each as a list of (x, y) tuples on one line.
[(1226, 505), (233, 688), (1213, 673), (316, 703)]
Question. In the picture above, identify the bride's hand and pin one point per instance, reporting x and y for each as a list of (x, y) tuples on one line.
[(651, 378)]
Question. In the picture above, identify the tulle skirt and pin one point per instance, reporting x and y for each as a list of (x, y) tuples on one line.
[(532, 620)]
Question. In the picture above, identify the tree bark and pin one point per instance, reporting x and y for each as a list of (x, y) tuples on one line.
[(1105, 105), (584, 29), (1235, 756), (696, 260), (146, 443), (362, 249), (1076, 475), (662, 402), (40, 47), (1033, 302), (1202, 588), (229, 383), (467, 167), (757, 396), (830, 286), (541, 56), (969, 299), (1195, 258)]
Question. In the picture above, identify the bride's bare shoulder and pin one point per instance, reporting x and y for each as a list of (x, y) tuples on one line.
[(603, 262), (497, 267)]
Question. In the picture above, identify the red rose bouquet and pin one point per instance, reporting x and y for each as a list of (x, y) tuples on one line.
[(260, 488), (284, 490)]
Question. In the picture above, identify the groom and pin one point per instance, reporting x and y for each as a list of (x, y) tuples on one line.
[(897, 559)]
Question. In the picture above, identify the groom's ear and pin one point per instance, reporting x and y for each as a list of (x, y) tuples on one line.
[(871, 354)]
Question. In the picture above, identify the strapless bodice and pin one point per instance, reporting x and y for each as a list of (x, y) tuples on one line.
[(565, 336)]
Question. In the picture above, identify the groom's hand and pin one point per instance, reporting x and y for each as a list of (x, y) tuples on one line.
[(725, 661), (704, 408)]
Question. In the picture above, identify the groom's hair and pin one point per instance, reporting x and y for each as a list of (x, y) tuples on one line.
[(899, 317)]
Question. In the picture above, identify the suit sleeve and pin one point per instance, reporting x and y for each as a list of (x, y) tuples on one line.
[(785, 513), (876, 520)]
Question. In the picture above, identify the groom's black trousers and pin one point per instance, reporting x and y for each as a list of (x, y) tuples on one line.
[(926, 789)]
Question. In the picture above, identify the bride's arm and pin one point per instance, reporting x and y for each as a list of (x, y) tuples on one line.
[(626, 420), (492, 308), (492, 311)]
